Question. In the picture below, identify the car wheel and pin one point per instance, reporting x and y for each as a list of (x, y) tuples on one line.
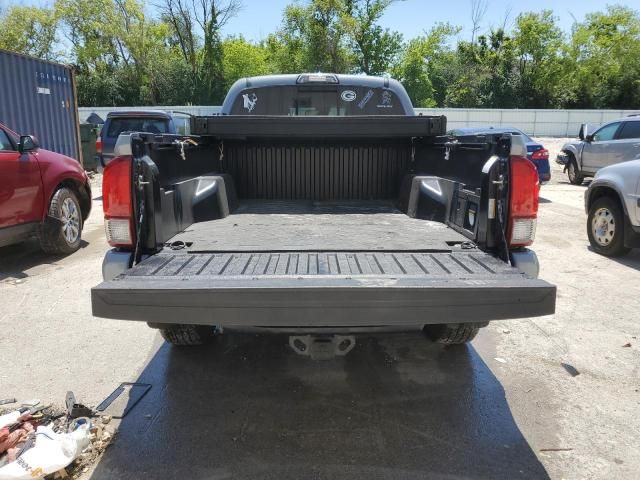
[(605, 227), (60, 233), (575, 178), (453, 333), (188, 335)]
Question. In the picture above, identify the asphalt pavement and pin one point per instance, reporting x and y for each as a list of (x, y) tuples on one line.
[(397, 406)]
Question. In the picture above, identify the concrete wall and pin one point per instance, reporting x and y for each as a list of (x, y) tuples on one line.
[(552, 123)]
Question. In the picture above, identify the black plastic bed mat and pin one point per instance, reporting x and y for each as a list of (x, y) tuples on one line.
[(322, 289)]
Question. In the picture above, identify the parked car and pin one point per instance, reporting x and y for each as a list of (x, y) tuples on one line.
[(535, 150), (42, 193), (151, 121), (301, 207), (612, 202), (614, 142)]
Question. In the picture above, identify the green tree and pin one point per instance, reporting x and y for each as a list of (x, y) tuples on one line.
[(196, 25), (538, 43), (29, 31), (423, 65), (374, 48), (311, 38), (485, 73), (605, 49), (243, 59)]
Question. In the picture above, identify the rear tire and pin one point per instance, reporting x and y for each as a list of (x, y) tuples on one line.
[(61, 231), (573, 172), (188, 335), (453, 333), (605, 227)]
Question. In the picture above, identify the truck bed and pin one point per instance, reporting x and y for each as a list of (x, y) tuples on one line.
[(273, 226)]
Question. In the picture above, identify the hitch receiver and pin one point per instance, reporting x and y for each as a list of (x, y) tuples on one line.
[(322, 347)]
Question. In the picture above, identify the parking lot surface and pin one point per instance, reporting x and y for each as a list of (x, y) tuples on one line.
[(397, 406)]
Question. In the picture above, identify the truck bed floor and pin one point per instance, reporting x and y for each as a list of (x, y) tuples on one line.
[(317, 226)]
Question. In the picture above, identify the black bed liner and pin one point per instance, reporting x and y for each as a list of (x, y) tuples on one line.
[(269, 226), (314, 289), (380, 126)]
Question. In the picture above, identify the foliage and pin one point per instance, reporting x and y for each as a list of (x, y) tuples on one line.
[(34, 34), (127, 53)]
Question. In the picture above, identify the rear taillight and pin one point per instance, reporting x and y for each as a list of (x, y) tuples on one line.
[(99, 145), (117, 203), (542, 154), (523, 204)]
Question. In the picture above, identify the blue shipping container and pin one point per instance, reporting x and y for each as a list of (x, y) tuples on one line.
[(39, 98)]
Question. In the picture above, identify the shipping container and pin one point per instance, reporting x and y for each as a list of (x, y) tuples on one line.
[(38, 98)]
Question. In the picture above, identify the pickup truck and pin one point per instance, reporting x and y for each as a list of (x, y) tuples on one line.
[(43, 194), (320, 203)]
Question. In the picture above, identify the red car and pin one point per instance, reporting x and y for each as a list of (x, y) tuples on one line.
[(42, 194)]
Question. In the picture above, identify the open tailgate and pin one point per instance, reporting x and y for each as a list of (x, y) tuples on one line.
[(305, 289)]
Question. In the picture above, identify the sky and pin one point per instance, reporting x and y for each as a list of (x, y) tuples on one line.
[(258, 18)]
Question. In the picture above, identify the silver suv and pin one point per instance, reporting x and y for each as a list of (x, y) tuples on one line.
[(612, 202), (614, 142)]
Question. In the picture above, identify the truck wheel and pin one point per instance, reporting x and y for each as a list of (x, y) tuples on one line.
[(60, 233), (605, 227), (185, 335), (453, 333), (573, 172)]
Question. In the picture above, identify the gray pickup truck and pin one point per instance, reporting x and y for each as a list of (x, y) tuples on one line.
[(320, 203)]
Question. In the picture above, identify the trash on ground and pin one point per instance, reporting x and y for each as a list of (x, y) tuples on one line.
[(75, 409), (123, 399), (627, 345), (501, 360), (506, 330), (573, 371), (39, 440), (556, 449)]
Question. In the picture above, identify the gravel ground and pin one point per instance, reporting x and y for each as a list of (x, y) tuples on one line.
[(504, 407)]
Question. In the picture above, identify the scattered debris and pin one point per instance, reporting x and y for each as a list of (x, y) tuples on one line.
[(506, 330), (123, 399), (42, 441), (501, 360), (627, 345), (77, 409), (556, 449), (573, 371)]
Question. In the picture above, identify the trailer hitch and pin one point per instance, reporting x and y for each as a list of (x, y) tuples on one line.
[(322, 347)]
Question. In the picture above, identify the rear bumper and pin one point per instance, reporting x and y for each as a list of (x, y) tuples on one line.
[(469, 288)]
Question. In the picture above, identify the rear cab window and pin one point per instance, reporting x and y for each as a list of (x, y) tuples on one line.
[(117, 125), (314, 100)]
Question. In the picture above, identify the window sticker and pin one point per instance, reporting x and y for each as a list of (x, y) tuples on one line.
[(365, 100), (386, 100), (250, 100), (348, 95)]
